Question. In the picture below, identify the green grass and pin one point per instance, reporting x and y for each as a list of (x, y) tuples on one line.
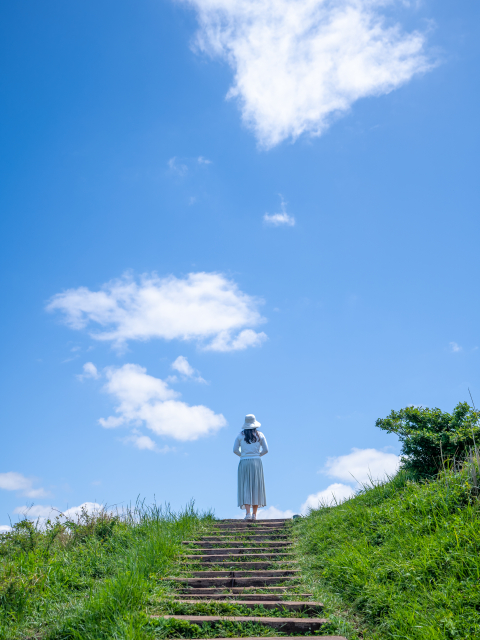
[(92, 578), (399, 561), (172, 607)]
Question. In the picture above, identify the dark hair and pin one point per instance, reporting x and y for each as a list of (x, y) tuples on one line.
[(250, 435)]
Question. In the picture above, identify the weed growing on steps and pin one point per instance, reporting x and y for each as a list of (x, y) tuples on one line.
[(91, 578), (401, 558), (160, 628), (172, 607)]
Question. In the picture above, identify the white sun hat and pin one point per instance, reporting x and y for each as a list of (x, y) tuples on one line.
[(250, 422)]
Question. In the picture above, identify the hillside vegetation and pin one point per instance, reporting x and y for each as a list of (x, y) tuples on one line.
[(401, 559), (91, 578)]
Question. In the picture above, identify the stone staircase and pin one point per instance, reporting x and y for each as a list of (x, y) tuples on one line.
[(249, 564)]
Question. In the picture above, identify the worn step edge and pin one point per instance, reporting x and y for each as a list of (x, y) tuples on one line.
[(236, 555), (267, 573), (241, 524), (246, 591), (235, 544), (285, 624), (229, 583), (249, 525), (290, 605), (239, 550), (260, 520), (240, 597), (257, 567)]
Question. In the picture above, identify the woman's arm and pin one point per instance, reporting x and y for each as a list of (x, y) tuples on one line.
[(263, 442), (236, 446)]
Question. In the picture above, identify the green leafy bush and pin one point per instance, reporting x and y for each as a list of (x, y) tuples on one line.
[(432, 438)]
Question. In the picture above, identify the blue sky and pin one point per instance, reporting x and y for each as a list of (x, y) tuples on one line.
[(214, 208)]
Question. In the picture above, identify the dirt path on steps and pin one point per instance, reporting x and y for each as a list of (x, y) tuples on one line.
[(240, 580)]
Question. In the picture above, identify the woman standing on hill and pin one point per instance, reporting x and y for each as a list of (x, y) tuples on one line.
[(250, 445)]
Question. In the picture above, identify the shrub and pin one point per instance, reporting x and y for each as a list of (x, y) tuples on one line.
[(432, 439)]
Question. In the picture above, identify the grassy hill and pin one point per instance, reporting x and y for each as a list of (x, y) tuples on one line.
[(399, 560), (92, 578)]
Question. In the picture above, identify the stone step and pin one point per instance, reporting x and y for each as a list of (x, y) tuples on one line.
[(238, 595), (211, 550), (227, 538), (229, 582), (238, 566), (235, 544), (249, 526), (303, 607), (215, 557), (286, 625), (241, 592), (269, 573), (261, 520), (243, 534)]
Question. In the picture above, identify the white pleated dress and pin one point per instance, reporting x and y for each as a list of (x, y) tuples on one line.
[(251, 484)]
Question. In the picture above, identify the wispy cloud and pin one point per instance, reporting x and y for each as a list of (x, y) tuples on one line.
[(177, 167), (182, 166), (454, 347), (12, 481), (205, 307), (298, 65), (279, 219), (145, 400), (143, 442)]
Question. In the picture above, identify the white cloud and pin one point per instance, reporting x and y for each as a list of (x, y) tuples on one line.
[(332, 495), (141, 442), (298, 65), (42, 512), (272, 513), (202, 307), (183, 367), (279, 219), (361, 465), (246, 338), (177, 167), (90, 507), (37, 511), (202, 160), (5, 528), (89, 371), (144, 442), (455, 348), (12, 481), (144, 399)]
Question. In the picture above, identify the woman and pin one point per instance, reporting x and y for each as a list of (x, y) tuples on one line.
[(250, 445)]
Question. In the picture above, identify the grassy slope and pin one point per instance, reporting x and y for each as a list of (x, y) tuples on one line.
[(89, 580), (401, 560)]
